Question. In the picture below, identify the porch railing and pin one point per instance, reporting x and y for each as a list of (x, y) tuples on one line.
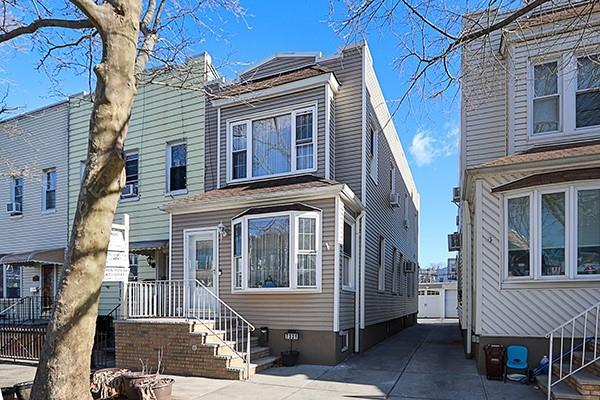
[(22, 342), (21, 310), (580, 332), (190, 299)]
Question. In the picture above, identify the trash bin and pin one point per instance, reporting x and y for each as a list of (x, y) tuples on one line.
[(263, 336), (494, 361)]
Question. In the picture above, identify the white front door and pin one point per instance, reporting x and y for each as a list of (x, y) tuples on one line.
[(202, 266)]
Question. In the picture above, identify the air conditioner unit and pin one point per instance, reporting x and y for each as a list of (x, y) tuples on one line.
[(456, 195), (409, 266), (129, 190), (395, 199), (14, 208), (454, 241)]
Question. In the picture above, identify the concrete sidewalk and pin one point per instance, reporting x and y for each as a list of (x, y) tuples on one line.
[(424, 362)]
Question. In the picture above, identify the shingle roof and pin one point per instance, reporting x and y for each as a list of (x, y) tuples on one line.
[(546, 153), (268, 82), (301, 182)]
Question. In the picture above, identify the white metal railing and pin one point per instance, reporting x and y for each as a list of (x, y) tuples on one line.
[(190, 299), (580, 332)]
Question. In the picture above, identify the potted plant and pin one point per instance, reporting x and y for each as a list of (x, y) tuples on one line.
[(107, 383), (156, 388)]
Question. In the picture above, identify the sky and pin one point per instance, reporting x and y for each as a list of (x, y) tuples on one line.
[(428, 130)]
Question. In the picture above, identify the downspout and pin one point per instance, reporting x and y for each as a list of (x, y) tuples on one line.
[(468, 281), (357, 274)]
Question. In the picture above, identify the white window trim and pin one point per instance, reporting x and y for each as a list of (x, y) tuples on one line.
[(293, 243), (381, 266), (567, 90), (45, 173), (247, 120), (137, 196), (393, 187), (168, 191), (534, 194), (374, 159), (352, 286)]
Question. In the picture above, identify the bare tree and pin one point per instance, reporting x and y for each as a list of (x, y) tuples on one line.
[(117, 40)]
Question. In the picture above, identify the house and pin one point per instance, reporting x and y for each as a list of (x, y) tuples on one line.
[(33, 221), (530, 182), (164, 153), (306, 231)]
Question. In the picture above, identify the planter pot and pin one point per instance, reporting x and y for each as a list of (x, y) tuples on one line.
[(289, 358), (107, 388), (23, 390), (132, 380), (162, 389)]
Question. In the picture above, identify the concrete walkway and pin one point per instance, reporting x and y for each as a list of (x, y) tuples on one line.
[(424, 362)]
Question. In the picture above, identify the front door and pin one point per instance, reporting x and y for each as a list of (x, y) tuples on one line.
[(47, 286), (202, 267)]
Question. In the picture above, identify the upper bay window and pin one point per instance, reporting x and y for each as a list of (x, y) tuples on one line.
[(271, 146), (276, 251), (553, 234)]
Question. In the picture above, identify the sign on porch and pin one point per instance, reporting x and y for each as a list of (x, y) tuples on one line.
[(117, 258)]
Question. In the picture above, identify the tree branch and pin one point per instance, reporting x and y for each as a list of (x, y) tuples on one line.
[(91, 10), (45, 23)]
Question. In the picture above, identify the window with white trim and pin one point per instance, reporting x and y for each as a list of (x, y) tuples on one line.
[(374, 154), (49, 190), (16, 195), (276, 145), (546, 98), (348, 257), (553, 233), (277, 251), (392, 177), (132, 177), (381, 264), (587, 97), (395, 269), (177, 167)]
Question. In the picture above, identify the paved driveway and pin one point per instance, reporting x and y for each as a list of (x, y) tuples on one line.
[(423, 362)]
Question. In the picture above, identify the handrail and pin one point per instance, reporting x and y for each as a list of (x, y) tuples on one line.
[(14, 305), (191, 299), (574, 334)]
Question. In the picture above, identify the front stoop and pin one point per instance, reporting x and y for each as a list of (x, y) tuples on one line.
[(582, 385), (189, 348)]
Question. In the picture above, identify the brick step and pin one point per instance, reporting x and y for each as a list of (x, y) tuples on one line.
[(560, 391), (594, 367), (256, 365), (584, 382)]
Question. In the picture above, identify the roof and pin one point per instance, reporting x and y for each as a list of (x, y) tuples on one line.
[(570, 175), (270, 81), (545, 153)]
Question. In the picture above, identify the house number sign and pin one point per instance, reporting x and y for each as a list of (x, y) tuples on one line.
[(291, 335)]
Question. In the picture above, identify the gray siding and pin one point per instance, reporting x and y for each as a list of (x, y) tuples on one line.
[(31, 143), (310, 311), (276, 66), (332, 138)]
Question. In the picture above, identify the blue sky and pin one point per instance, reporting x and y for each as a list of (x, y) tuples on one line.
[(428, 129)]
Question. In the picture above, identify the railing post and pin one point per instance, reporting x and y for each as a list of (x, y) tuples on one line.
[(550, 357), (248, 354)]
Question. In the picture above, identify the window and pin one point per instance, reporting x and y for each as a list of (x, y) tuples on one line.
[(16, 196), (348, 257), (132, 183), (395, 269), (13, 281), (133, 267), (81, 171), (381, 265), (374, 154), (587, 97), (518, 236), (546, 98), (539, 243), (272, 146), (278, 251), (433, 293), (176, 167), (49, 190)]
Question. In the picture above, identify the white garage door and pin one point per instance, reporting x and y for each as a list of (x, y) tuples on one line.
[(430, 303), (451, 304)]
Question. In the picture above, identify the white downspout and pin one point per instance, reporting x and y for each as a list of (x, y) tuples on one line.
[(357, 274), (468, 281)]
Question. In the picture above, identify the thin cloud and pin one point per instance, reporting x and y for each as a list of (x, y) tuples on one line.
[(425, 148)]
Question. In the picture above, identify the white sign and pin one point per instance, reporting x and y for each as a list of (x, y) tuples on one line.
[(117, 258), (116, 274), (117, 240)]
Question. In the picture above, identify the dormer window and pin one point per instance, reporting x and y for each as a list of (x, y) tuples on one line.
[(274, 145)]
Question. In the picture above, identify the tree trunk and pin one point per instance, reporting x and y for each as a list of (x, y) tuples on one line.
[(63, 372)]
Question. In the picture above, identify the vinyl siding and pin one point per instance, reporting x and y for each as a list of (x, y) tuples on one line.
[(33, 142), (299, 99), (517, 312), (312, 311), (332, 138), (276, 66), (160, 115), (347, 297)]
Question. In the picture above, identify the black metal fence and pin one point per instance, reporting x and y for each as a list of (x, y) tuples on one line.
[(28, 309)]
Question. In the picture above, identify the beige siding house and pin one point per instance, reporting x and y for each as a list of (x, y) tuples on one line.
[(309, 221), (165, 160), (530, 180)]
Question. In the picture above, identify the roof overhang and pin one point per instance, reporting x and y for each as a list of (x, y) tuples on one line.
[(148, 247), (301, 84), (47, 256), (261, 199)]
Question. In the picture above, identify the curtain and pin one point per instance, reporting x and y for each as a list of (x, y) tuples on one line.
[(268, 240)]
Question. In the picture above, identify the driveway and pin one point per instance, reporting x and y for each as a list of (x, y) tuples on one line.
[(423, 362)]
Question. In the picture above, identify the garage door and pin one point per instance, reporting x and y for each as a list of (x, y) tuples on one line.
[(430, 304), (451, 304)]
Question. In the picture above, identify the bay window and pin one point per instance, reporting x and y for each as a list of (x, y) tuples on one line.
[(587, 100), (276, 251), (274, 145), (553, 233)]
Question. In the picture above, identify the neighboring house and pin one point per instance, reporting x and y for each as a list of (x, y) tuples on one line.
[(164, 153), (530, 179), (309, 220), (33, 190)]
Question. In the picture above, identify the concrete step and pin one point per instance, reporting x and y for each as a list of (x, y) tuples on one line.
[(584, 382), (560, 391), (594, 367), (255, 365)]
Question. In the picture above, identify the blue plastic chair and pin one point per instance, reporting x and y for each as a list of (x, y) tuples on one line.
[(516, 360)]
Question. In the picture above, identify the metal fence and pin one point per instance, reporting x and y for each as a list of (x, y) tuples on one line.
[(22, 342)]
